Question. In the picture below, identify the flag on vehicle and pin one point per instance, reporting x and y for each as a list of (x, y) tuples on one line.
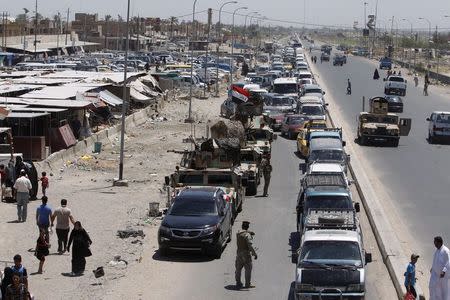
[(239, 94)]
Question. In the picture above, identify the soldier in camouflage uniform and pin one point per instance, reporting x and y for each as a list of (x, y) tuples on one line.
[(244, 255), (267, 170)]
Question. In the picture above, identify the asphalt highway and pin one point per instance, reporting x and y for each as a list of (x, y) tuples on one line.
[(273, 221), (415, 176)]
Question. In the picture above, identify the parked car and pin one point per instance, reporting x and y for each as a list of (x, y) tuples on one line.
[(198, 219), (292, 124), (438, 126), (395, 103)]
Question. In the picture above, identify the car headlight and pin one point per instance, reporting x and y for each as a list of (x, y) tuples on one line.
[(165, 230), (209, 230), (355, 288)]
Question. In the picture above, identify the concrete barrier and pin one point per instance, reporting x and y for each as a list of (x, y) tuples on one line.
[(385, 235)]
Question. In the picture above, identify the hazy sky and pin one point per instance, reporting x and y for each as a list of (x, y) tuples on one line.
[(326, 12)]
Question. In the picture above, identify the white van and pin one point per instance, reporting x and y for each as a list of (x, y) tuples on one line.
[(439, 126)]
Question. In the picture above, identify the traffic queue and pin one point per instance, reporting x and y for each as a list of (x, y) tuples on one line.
[(212, 180), (331, 258)]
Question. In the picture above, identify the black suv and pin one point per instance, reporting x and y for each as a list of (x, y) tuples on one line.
[(198, 219)]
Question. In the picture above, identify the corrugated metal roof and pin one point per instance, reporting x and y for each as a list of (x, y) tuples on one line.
[(36, 109), (110, 98), (59, 92), (46, 102), (43, 81), (6, 88), (26, 115)]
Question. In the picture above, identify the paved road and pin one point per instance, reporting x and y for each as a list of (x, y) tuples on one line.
[(415, 175), (273, 220)]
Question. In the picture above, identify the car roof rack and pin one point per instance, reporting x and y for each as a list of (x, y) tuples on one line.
[(312, 180), (331, 218)]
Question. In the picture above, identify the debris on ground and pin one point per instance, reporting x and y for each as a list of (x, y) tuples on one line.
[(123, 234)]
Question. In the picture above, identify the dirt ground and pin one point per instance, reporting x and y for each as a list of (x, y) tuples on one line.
[(102, 209)]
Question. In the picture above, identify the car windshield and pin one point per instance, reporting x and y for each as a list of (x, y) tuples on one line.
[(317, 126), (296, 121), (279, 102), (311, 110), (328, 201), (397, 79), (191, 178), (335, 252), (326, 155), (192, 207), (380, 119), (220, 179), (285, 88), (313, 91), (443, 119), (256, 79)]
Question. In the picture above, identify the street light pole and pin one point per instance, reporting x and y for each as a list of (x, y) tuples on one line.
[(189, 119), (219, 44), (125, 101), (232, 41), (35, 29)]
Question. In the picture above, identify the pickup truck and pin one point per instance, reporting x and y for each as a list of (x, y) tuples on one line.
[(395, 85)]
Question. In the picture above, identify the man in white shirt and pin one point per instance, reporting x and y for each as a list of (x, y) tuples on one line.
[(22, 188), (63, 216), (439, 283)]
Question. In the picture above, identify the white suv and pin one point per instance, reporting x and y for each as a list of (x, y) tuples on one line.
[(439, 126)]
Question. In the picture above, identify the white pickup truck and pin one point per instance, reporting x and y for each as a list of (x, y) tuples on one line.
[(395, 85)]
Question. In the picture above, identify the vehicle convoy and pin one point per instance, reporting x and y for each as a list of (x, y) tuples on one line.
[(380, 125), (395, 85), (199, 219), (439, 126), (250, 160), (276, 106)]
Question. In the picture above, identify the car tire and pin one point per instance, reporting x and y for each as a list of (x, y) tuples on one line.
[(394, 143), (230, 234), (216, 249), (386, 91), (431, 139), (163, 251), (363, 140), (251, 190)]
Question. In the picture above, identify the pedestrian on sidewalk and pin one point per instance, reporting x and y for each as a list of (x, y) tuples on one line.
[(17, 290), (267, 171), (245, 250), (80, 250), (63, 216), (43, 217), (416, 79), (44, 183), (41, 250), (22, 187), (19, 268), (439, 279), (410, 275)]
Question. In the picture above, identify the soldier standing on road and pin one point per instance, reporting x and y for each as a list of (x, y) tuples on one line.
[(244, 254), (425, 85), (267, 170)]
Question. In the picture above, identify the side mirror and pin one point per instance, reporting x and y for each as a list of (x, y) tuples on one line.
[(428, 119), (275, 136), (348, 157), (167, 180), (384, 79), (368, 257), (357, 207), (326, 104), (344, 143), (323, 92), (221, 213), (164, 211)]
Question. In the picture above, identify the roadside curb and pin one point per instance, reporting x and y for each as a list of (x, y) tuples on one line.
[(388, 243)]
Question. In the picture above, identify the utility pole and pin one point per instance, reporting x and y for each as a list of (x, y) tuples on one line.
[(3, 29), (57, 36), (35, 30), (207, 48), (67, 24)]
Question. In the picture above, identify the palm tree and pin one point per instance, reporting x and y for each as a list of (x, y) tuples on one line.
[(173, 21)]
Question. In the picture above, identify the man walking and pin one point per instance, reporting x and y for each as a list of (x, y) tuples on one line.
[(22, 188), (43, 217), (244, 254), (63, 216), (438, 286), (426, 82), (267, 170)]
